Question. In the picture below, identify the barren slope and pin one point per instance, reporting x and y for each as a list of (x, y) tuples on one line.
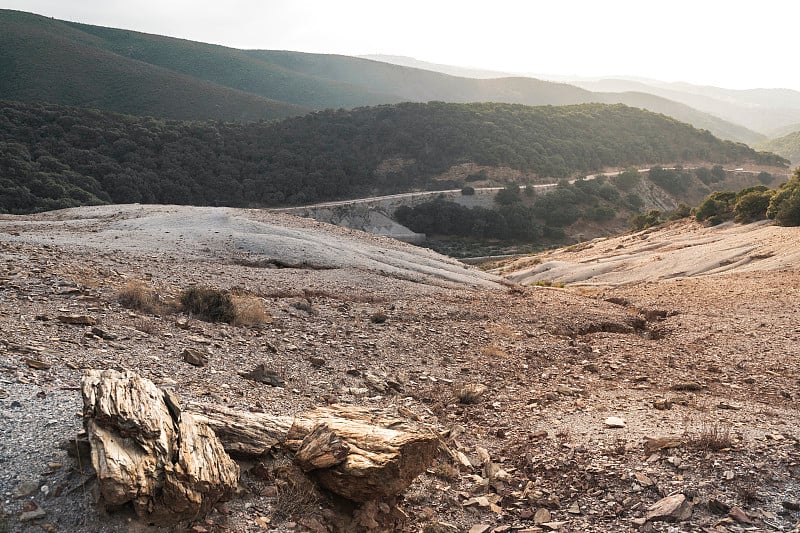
[(679, 250), (708, 362)]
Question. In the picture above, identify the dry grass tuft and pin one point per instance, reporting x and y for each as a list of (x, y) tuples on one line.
[(446, 471), (250, 311), (298, 498), (379, 317), (211, 305), (137, 295), (471, 393), (711, 437), (492, 350), (146, 325)]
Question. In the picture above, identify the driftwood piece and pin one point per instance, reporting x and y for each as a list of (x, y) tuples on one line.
[(170, 466)]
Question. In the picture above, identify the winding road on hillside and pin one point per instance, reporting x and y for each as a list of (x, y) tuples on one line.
[(419, 194)]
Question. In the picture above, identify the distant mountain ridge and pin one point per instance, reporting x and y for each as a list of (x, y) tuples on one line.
[(47, 60), (761, 110)]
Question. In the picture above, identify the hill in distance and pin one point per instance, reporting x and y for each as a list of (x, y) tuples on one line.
[(765, 111), (46, 60), (787, 146)]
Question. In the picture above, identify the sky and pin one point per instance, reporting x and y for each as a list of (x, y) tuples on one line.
[(730, 44)]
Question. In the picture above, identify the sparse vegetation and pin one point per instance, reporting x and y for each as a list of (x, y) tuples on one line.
[(378, 317), (250, 311), (784, 207), (137, 295), (654, 217), (710, 437), (306, 306), (211, 305), (297, 498), (548, 283)]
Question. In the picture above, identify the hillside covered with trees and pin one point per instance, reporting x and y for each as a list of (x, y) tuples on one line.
[(787, 146), (53, 156), (45, 60)]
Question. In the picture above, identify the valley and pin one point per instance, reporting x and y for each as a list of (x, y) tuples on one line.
[(231, 299)]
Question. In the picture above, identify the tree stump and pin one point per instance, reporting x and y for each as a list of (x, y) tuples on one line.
[(145, 451)]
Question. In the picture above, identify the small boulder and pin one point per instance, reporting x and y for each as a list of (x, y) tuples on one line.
[(195, 357), (77, 320), (471, 393), (614, 422), (262, 374), (673, 508)]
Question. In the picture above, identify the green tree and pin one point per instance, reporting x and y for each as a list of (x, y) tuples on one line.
[(508, 195), (628, 179), (717, 173)]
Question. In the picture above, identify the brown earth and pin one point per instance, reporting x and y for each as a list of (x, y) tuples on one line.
[(704, 357)]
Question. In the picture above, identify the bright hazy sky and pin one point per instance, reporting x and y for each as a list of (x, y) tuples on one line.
[(734, 44)]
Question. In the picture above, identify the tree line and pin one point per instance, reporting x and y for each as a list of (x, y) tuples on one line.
[(55, 156)]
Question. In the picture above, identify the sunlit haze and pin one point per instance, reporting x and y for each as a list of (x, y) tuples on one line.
[(734, 45)]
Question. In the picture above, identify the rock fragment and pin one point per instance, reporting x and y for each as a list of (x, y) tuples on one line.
[(262, 374), (674, 508), (77, 320), (195, 357), (614, 422)]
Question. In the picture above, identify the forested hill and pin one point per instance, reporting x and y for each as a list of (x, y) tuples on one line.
[(48, 60), (54, 156)]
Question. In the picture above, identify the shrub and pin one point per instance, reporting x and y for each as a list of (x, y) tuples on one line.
[(765, 177), (634, 201), (136, 295), (508, 195), (717, 173), (752, 206), (601, 212), (207, 304), (467, 191), (784, 206), (378, 317), (716, 208), (652, 218), (703, 174), (682, 211), (478, 176)]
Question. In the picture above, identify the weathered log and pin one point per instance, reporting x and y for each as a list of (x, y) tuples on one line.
[(385, 455), (359, 453), (321, 448), (244, 434), (169, 465)]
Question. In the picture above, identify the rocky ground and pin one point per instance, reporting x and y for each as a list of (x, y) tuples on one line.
[(662, 403)]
